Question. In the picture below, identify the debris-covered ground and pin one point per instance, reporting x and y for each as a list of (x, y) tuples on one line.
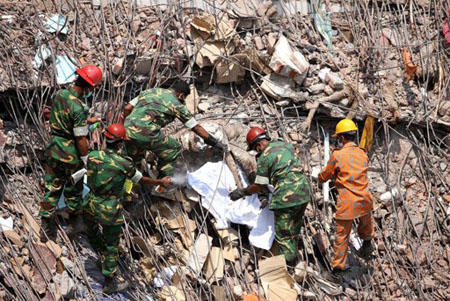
[(292, 67)]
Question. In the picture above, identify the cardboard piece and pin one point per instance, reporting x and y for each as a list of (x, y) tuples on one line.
[(214, 265), (229, 71), (54, 247), (228, 235), (211, 39), (13, 237), (275, 279), (228, 252), (142, 245), (192, 100), (279, 293), (29, 222), (199, 253), (219, 293), (172, 293)]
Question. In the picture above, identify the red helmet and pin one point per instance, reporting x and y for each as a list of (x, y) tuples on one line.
[(116, 131), (91, 74), (254, 135)]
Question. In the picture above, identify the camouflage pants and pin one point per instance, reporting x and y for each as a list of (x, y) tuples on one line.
[(164, 147), (105, 241), (287, 230), (57, 175)]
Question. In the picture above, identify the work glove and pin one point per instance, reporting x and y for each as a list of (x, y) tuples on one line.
[(315, 173), (237, 194), (214, 142), (84, 159), (78, 175), (264, 201)]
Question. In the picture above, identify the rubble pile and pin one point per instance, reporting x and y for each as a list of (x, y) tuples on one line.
[(293, 67)]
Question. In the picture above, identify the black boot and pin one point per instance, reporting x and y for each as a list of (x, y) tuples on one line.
[(112, 285), (335, 276), (48, 229), (76, 225), (366, 249)]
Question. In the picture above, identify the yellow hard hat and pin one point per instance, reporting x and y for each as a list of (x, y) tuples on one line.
[(344, 126)]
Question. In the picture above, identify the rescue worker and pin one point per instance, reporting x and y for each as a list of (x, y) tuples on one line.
[(348, 167), (68, 149), (278, 165), (152, 110), (107, 171)]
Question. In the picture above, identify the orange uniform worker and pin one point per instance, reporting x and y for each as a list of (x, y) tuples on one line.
[(348, 166)]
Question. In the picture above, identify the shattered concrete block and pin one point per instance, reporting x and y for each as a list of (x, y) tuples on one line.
[(238, 291), (117, 65), (203, 106), (308, 295), (322, 74), (278, 86), (344, 102), (283, 103), (288, 62), (316, 89), (271, 41), (402, 249), (258, 43), (300, 272), (334, 81), (328, 90), (263, 8)]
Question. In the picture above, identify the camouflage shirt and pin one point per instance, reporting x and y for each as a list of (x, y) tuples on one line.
[(154, 109), (107, 172), (279, 166), (68, 119)]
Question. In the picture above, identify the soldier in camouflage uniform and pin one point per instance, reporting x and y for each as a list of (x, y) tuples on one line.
[(68, 149), (152, 110), (279, 166), (107, 172)]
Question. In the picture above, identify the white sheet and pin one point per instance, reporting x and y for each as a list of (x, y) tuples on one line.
[(214, 181)]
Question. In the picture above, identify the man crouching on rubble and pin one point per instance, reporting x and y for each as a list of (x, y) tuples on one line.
[(348, 166), (152, 110), (107, 171), (279, 166)]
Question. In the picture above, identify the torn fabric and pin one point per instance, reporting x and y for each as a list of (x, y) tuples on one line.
[(214, 181)]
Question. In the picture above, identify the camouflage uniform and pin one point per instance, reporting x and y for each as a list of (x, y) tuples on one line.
[(68, 119), (107, 172), (279, 166), (152, 110)]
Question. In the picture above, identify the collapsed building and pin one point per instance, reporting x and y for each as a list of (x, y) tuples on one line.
[(292, 67)]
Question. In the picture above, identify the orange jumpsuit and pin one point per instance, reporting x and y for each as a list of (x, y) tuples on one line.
[(348, 166)]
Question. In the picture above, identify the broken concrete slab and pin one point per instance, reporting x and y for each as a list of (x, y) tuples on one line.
[(287, 62), (334, 81)]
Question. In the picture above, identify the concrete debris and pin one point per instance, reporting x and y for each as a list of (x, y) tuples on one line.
[(287, 62), (334, 81), (278, 86)]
